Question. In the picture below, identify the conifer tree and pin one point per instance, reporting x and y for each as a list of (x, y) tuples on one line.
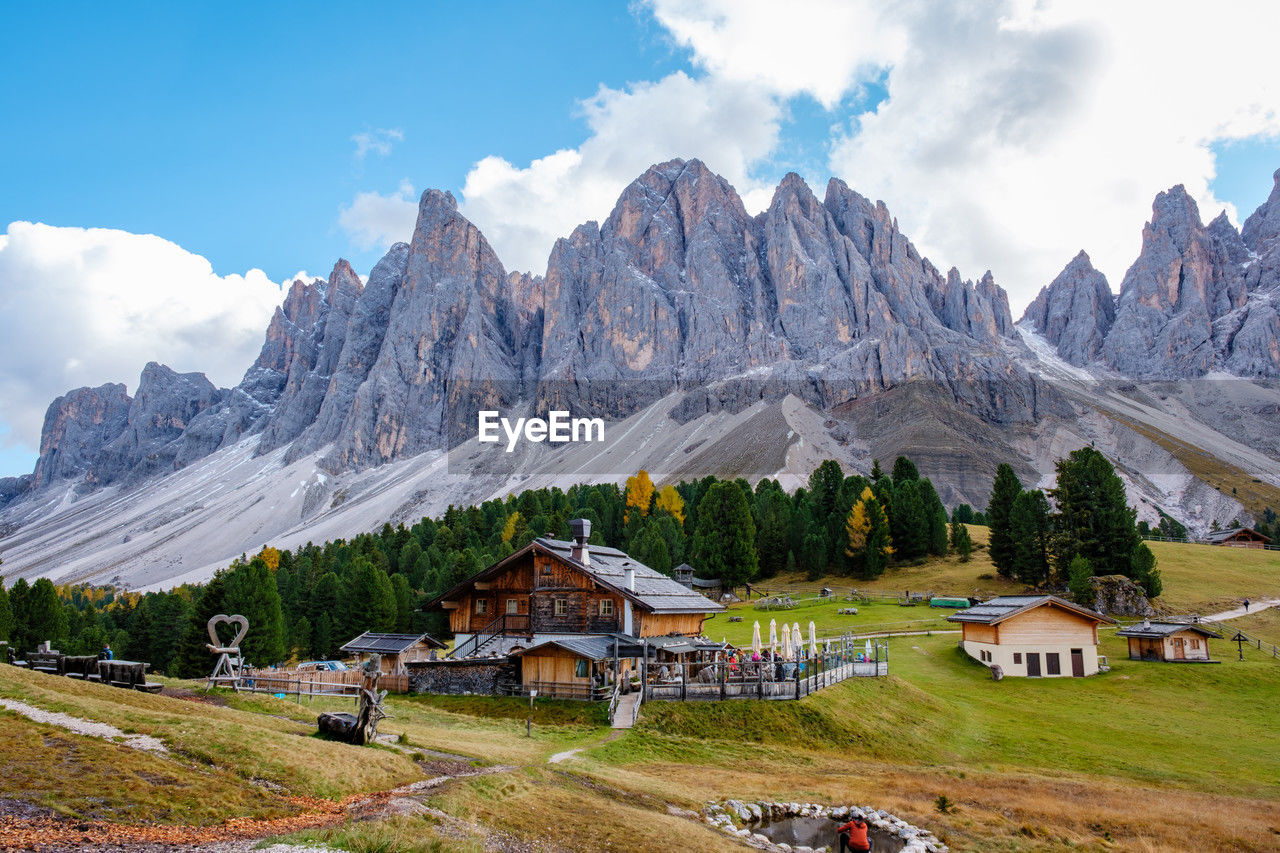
[(1004, 492), (46, 619), (669, 501), (904, 469), (404, 602), (369, 602), (639, 496), (251, 592), (1094, 518), (6, 614), (868, 528), (772, 514), (961, 541), (1029, 531), (724, 544)]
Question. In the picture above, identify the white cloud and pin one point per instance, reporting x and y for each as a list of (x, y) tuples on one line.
[(378, 141), (376, 220), (522, 210), (1013, 140), (89, 306)]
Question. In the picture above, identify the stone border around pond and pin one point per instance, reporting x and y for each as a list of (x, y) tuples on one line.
[(726, 817)]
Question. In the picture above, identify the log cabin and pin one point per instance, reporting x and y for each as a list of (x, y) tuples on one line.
[(1180, 642), (560, 608), (1032, 635), (1239, 537)]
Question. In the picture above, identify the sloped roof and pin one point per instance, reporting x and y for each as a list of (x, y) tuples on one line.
[(388, 644), (1224, 535), (654, 592), (592, 648), (1006, 606), (1154, 630)]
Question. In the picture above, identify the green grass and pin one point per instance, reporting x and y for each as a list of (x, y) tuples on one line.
[(876, 616)]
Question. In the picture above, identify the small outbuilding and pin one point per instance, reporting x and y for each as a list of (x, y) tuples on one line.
[(396, 649), (1032, 635), (1177, 642), (1239, 537)]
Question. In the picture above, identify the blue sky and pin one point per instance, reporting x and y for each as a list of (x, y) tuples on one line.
[(232, 130)]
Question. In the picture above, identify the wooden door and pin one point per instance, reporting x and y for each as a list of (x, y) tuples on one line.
[(1033, 664), (1053, 663), (1179, 651), (1077, 663)]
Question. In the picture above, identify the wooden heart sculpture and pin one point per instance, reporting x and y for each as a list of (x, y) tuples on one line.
[(221, 619)]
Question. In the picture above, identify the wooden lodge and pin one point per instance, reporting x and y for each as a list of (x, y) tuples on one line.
[(1032, 635), (1178, 642), (1239, 537), (561, 609), (396, 650)]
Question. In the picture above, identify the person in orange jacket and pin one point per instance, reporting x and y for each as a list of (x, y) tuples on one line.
[(853, 836)]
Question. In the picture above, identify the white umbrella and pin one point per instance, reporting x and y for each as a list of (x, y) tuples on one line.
[(786, 642), (756, 645), (773, 637), (813, 638), (797, 641)]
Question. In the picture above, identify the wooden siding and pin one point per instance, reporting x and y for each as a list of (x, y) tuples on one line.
[(556, 665), (1047, 624), (975, 633), (664, 624)]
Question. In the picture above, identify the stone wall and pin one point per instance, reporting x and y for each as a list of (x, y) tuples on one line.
[(477, 677), (744, 820)]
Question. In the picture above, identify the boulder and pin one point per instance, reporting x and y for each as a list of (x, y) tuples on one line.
[(1118, 596)]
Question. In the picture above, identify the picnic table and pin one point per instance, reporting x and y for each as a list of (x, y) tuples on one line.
[(84, 667), (130, 674), (47, 662)]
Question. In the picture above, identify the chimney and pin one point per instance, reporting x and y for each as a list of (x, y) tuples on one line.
[(629, 576), (581, 552)]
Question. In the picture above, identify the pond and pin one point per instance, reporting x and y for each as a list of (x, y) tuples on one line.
[(819, 832)]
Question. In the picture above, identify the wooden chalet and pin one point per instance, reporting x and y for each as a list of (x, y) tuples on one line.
[(396, 650), (1181, 642), (560, 608), (1239, 537), (1032, 635)]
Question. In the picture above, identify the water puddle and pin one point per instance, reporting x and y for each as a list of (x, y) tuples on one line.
[(819, 832)]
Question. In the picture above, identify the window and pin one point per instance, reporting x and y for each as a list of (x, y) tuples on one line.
[(482, 606), (581, 668), (1195, 644), (606, 607), (562, 607), (513, 605), (1053, 663), (1017, 657)]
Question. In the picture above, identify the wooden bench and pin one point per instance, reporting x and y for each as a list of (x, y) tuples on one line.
[(84, 667), (46, 662), (129, 674)]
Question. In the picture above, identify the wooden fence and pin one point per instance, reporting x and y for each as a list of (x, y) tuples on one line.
[(310, 683)]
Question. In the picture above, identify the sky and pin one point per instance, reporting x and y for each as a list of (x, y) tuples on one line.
[(166, 169)]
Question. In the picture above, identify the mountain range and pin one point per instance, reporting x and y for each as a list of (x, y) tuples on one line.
[(710, 340)]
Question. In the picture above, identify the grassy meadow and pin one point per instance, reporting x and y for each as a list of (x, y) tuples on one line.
[(1140, 758)]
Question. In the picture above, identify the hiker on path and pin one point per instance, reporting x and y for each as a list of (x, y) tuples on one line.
[(853, 836), (1246, 605)]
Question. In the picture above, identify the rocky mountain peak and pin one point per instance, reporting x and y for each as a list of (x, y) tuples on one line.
[(1261, 231), (77, 426), (1074, 312)]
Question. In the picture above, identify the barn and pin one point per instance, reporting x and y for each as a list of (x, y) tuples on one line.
[(1037, 636)]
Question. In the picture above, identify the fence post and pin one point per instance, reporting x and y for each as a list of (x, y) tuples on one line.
[(684, 680)]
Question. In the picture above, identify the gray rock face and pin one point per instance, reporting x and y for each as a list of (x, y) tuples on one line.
[(166, 402), (1075, 312), (77, 426), (1199, 298), (12, 488)]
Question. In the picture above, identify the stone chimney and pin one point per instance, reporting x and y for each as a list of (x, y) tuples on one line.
[(581, 552)]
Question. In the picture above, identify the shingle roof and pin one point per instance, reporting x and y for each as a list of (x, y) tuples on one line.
[(1164, 629), (1223, 535), (592, 648), (388, 644), (999, 609), (654, 590)]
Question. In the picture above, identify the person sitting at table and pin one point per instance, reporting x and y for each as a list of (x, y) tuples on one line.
[(106, 653)]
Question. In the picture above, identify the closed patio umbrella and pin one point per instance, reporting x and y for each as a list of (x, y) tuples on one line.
[(773, 637), (797, 641), (813, 639), (756, 645), (786, 642)]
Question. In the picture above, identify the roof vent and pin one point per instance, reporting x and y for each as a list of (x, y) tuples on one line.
[(581, 552), (1146, 623)]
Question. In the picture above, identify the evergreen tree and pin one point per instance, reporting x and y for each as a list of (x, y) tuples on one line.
[(1004, 492), (251, 592), (724, 544), (18, 636), (650, 548), (404, 602), (45, 617), (1145, 572), (6, 614), (908, 522), (814, 558), (904, 469), (322, 645), (1029, 530), (193, 658), (369, 602), (935, 516), (1094, 518), (1078, 573), (877, 473), (300, 638), (772, 512), (963, 514), (961, 541)]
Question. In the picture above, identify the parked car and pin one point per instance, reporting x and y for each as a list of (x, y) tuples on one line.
[(322, 665)]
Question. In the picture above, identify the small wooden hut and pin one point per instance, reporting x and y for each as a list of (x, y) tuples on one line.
[(396, 649), (1177, 642)]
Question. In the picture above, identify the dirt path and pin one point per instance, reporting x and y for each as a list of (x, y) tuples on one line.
[(88, 728), (1254, 607), (561, 757)]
